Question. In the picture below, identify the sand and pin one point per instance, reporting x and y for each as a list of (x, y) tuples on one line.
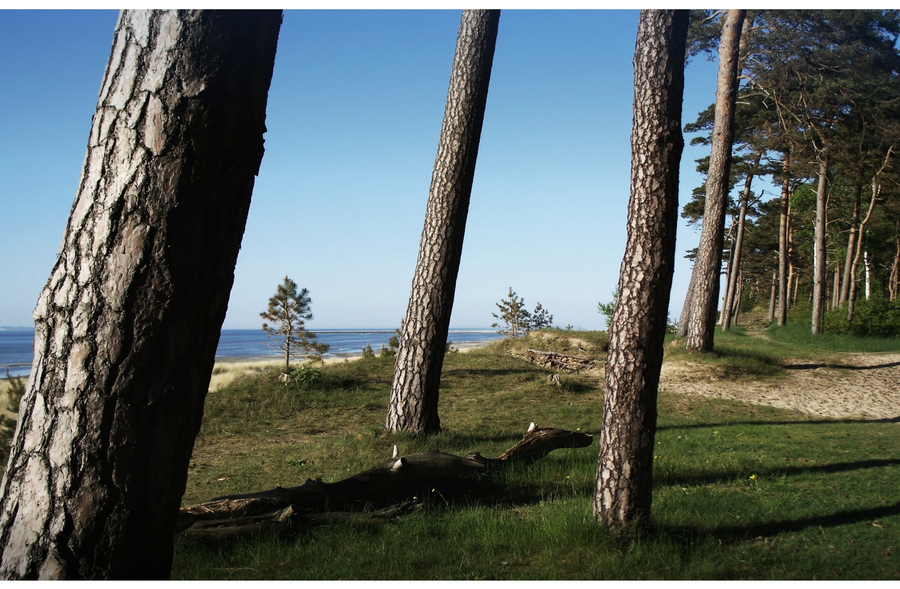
[(853, 386)]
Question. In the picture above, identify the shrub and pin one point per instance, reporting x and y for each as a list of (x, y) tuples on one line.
[(304, 374)]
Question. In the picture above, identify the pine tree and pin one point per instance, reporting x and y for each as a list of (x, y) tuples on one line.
[(540, 318), (515, 319), (287, 311)]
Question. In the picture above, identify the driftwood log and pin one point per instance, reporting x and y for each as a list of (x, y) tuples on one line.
[(395, 480), (559, 361)]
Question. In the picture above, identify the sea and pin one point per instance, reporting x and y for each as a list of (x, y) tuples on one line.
[(16, 344)]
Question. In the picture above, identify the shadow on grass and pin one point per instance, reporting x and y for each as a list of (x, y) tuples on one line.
[(736, 534), (789, 422), (839, 366), (695, 480)]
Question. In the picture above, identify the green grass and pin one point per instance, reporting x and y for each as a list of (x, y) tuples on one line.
[(741, 491)]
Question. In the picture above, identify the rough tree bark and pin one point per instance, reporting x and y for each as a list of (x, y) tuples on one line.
[(702, 322), (625, 465), (819, 260), (128, 323), (414, 392)]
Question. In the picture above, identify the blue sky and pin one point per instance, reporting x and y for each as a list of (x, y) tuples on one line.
[(354, 115)]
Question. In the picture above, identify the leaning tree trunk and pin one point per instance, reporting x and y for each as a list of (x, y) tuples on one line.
[(685, 316), (738, 249), (851, 245), (702, 323), (127, 326), (624, 480), (414, 392), (819, 261)]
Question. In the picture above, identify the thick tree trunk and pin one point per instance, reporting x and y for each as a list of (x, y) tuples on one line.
[(702, 323), (685, 317), (624, 480), (414, 393), (819, 260), (128, 323)]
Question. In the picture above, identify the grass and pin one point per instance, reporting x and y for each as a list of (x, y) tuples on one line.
[(741, 491)]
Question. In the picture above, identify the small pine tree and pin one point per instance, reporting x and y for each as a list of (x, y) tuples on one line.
[(540, 318), (514, 316), (287, 311)]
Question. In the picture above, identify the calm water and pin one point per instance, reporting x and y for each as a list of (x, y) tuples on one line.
[(16, 344)]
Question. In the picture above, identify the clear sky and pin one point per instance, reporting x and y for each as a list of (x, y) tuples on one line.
[(354, 115)]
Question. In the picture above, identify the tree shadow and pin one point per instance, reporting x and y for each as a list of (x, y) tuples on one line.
[(697, 480), (687, 535), (838, 366), (784, 422)]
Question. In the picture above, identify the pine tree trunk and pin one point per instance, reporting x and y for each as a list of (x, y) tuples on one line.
[(625, 466), (819, 260), (894, 280), (852, 295), (685, 317), (128, 323), (851, 245), (738, 247), (771, 316), (702, 324), (784, 287), (414, 392)]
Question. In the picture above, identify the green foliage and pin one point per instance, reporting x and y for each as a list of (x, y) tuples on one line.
[(514, 316), (606, 309), (540, 318), (14, 392), (517, 320), (367, 351), (287, 311), (305, 374)]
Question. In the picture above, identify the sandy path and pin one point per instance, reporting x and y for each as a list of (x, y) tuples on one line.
[(859, 386)]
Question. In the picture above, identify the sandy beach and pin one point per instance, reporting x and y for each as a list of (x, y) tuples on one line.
[(227, 369), (852, 386)]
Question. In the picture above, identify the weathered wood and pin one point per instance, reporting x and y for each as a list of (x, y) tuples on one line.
[(396, 480), (559, 361)]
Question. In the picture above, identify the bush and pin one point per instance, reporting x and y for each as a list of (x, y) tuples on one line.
[(876, 318), (305, 374)]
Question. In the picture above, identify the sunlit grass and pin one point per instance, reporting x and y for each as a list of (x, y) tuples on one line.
[(741, 491)]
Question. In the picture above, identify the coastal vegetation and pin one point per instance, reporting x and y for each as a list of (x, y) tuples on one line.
[(285, 323), (741, 491)]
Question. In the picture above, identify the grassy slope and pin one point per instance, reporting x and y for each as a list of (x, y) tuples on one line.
[(741, 492)]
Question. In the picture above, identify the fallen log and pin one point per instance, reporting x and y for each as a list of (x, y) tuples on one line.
[(394, 480), (560, 361)]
